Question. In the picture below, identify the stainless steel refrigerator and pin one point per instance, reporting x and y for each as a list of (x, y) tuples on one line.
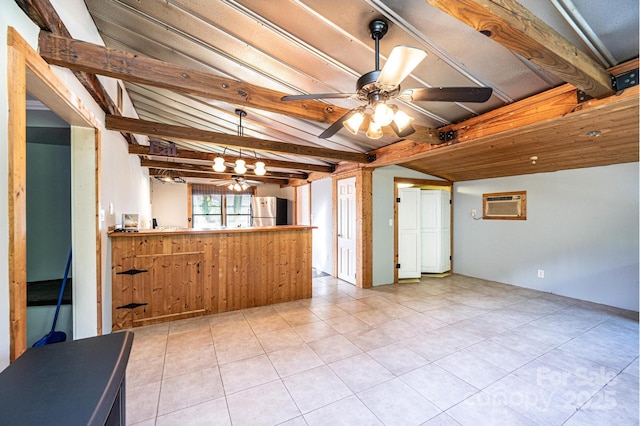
[(268, 211)]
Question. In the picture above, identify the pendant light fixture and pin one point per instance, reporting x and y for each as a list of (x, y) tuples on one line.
[(259, 168), (240, 164), (218, 162), (240, 167)]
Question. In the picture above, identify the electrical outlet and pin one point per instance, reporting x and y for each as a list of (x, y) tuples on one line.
[(473, 213), (540, 273)]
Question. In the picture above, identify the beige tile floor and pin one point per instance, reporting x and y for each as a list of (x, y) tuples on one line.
[(444, 351)]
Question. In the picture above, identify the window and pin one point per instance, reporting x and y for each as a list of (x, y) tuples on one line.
[(206, 211), (238, 210), (214, 207)]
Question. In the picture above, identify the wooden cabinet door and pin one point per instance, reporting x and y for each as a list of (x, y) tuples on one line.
[(159, 287)]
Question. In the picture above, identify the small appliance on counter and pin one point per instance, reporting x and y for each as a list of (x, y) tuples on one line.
[(129, 223)]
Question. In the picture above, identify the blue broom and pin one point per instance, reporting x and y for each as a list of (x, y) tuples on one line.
[(56, 336)]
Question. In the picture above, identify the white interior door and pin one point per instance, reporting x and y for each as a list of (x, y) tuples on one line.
[(303, 206), (430, 231), (409, 246), (435, 230), (347, 230)]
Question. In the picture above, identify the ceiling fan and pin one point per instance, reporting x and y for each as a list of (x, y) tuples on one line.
[(378, 86), (236, 183)]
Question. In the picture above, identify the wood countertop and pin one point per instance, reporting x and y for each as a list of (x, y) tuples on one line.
[(192, 231)]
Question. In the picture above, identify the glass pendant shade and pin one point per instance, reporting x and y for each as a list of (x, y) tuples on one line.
[(240, 166), (260, 169), (237, 187), (402, 120), (374, 131), (354, 122), (218, 164), (382, 114)]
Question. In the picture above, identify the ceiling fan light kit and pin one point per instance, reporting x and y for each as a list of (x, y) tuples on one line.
[(378, 86), (354, 122), (374, 131)]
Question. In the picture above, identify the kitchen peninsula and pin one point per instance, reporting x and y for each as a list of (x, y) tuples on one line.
[(162, 275)]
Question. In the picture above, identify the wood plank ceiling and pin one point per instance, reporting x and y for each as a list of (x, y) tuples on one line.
[(189, 64)]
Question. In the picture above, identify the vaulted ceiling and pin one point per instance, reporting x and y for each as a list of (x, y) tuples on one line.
[(188, 65)]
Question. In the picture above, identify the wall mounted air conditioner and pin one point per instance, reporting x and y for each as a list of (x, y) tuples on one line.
[(503, 206)]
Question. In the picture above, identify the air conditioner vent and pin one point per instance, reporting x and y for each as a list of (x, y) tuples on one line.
[(504, 206)]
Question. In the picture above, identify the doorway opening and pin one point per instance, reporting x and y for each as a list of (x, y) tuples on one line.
[(27, 72), (48, 220), (414, 239)]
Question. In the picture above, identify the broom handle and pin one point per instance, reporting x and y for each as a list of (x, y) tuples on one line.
[(64, 282)]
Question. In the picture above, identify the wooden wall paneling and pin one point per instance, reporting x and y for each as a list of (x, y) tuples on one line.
[(269, 283), (244, 265), (122, 284), (208, 267), (99, 235), (263, 266), (172, 288), (17, 158), (280, 277), (223, 254), (246, 269), (364, 222)]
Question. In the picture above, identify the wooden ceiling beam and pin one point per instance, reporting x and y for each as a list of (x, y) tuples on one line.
[(222, 176), (553, 103), (399, 152), (550, 105), (169, 131), (209, 156), (43, 14), (92, 58), (170, 165), (89, 57), (519, 30)]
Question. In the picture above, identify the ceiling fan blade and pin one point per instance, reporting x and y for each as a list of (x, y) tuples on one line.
[(401, 61), (316, 96), (335, 127), (447, 94)]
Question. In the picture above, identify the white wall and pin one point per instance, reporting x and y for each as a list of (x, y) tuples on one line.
[(383, 260), (581, 229), (322, 218), (170, 204)]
